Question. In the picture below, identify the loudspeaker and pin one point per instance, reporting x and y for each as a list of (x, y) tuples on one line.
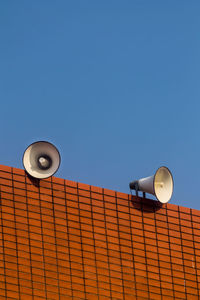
[(41, 159), (160, 185)]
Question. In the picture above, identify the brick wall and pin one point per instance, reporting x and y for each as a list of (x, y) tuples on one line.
[(65, 240)]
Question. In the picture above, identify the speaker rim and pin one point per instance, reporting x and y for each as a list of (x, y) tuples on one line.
[(41, 141), (172, 183)]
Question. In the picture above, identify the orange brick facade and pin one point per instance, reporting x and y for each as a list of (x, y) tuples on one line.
[(65, 240)]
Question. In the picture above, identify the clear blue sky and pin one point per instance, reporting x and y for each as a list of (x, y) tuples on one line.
[(115, 85)]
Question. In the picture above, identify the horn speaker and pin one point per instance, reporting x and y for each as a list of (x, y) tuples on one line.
[(160, 185), (41, 159)]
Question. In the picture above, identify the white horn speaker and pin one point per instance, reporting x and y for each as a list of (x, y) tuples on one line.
[(160, 185), (41, 159)]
